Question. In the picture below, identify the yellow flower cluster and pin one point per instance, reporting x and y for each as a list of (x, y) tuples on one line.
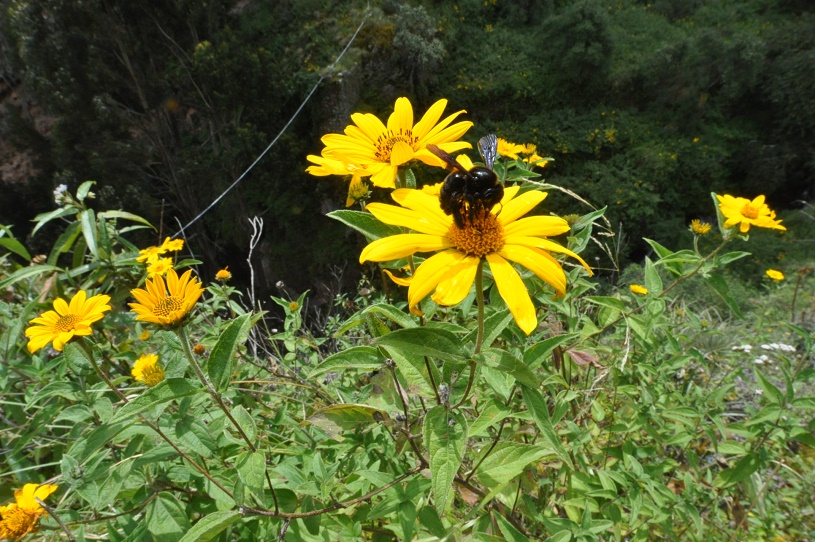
[(151, 256), (508, 149), (20, 518)]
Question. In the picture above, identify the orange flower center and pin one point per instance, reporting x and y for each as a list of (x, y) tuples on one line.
[(169, 305), (18, 522), (749, 211), (481, 236), (66, 323), (386, 141)]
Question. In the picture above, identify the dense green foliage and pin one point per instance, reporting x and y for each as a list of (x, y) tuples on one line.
[(645, 106)]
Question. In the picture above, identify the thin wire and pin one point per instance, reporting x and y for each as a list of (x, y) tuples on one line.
[(260, 157)]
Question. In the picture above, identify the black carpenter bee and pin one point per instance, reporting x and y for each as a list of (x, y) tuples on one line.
[(467, 194)]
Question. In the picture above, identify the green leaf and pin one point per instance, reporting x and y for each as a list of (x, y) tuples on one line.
[(27, 272), (540, 352), (445, 434), (193, 434), (222, 359), (16, 247), (88, 221), (365, 223), (45, 218), (494, 324), (211, 525), (125, 215), (509, 532), (719, 285), (335, 419), (163, 392), (771, 393), (414, 369), (166, 518), (434, 343), (365, 358), (245, 421), (746, 466), (652, 281), (605, 301), (251, 468), (536, 405), (506, 461), (83, 190), (505, 362), (729, 257)]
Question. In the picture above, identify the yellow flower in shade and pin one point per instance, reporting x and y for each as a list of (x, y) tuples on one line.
[(159, 267), (148, 370), (20, 518), (166, 304), (294, 305), (742, 210), (66, 320), (699, 228), (497, 236), (382, 149), (172, 245), (536, 160), (144, 335), (508, 149), (150, 254), (774, 274), (637, 289), (357, 189), (223, 275)]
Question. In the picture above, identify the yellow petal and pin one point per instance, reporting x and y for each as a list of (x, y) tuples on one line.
[(398, 280), (456, 282), (370, 125), (519, 206), (384, 175), (545, 244), (428, 275), (402, 116), (401, 153), (423, 203), (402, 245), (400, 216), (61, 306), (429, 119), (543, 265), (536, 226), (77, 302), (513, 291)]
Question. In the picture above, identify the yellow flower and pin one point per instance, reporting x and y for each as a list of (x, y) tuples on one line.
[(381, 148), (777, 276), (637, 289), (21, 518), (154, 305), (698, 227), (508, 149), (172, 245), (294, 305), (159, 267), (144, 335), (536, 160), (357, 189), (148, 370), (66, 320), (495, 236), (324, 166), (742, 210), (223, 275), (150, 254)]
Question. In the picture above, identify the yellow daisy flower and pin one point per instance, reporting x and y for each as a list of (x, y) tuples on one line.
[(699, 228), (150, 254), (172, 245), (223, 275), (144, 335), (159, 267), (147, 370), (21, 518), (774, 274), (508, 149), (382, 149), (639, 290), (496, 236), (742, 210), (66, 320), (166, 304)]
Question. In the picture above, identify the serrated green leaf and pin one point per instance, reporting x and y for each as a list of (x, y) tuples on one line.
[(221, 363), (166, 518), (163, 392), (193, 434), (245, 421), (507, 460), (338, 418), (509, 532), (431, 342), (365, 223), (211, 525), (505, 362), (494, 324), (364, 358), (445, 434), (414, 371), (251, 468)]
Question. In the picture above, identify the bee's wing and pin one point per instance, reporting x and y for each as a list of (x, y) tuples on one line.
[(488, 147), (448, 159)]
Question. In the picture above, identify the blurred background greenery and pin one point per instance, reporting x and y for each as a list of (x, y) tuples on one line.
[(645, 106)]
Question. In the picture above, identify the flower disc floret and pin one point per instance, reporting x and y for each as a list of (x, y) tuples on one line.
[(499, 236), (60, 325), (166, 304)]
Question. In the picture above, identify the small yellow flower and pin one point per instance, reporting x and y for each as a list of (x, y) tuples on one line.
[(637, 289), (21, 518), (775, 275), (144, 335), (154, 305), (699, 228), (150, 254), (66, 320), (148, 370), (223, 275), (294, 305), (159, 267), (742, 210), (172, 245), (508, 149), (357, 189)]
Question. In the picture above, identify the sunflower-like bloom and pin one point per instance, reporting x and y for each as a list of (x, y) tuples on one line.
[(147, 370), (381, 149), (223, 274), (495, 236), (66, 320), (775, 275), (159, 266), (742, 210), (21, 518), (150, 254), (699, 228), (166, 304), (172, 245), (638, 289), (507, 149)]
